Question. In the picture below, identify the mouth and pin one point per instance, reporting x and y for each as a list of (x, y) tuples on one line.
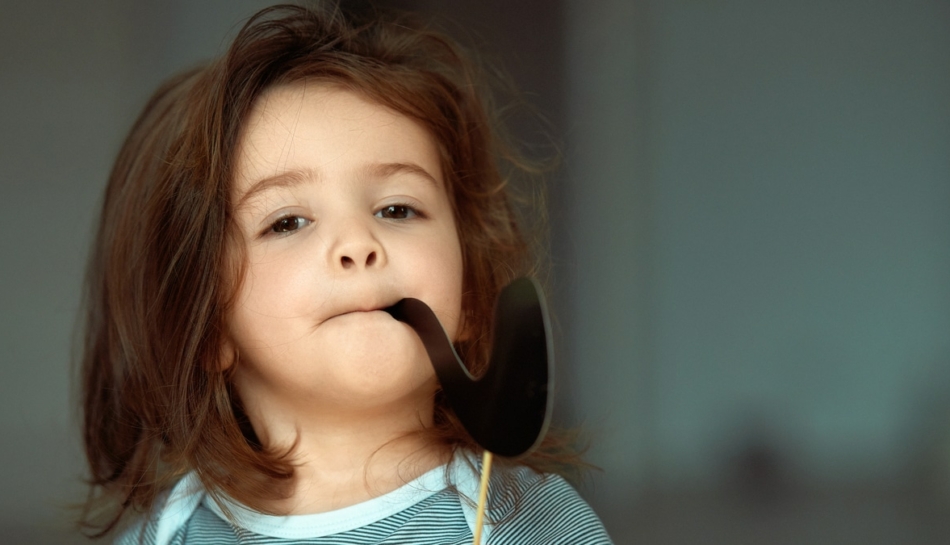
[(392, 310)]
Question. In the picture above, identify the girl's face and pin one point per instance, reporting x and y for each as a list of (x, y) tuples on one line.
[(343, 212)]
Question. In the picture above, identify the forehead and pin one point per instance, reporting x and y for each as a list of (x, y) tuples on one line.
[(325, 130)]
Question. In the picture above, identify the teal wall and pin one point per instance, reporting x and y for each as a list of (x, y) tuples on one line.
[(759, 239)]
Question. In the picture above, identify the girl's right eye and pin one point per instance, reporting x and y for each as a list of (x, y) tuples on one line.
[(288, 224)]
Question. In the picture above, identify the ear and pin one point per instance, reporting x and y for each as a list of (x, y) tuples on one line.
[(229, 355)]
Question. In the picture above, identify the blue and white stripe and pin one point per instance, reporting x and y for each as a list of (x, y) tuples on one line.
[(525, 508)]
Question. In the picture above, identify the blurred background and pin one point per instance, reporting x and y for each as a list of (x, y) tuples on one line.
[(751, 246)]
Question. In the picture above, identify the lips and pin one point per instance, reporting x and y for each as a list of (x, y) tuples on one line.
[(388, 309)]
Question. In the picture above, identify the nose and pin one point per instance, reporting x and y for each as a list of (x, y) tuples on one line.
[(356, 248), (349, 262)]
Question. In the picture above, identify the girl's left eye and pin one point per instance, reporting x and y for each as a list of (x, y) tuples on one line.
[(397, 212)]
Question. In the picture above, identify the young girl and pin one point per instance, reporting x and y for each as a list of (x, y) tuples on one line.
[(242, 381)]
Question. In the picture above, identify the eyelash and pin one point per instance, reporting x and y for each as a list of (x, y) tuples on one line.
[(282, 227), (279, 227), (410, 211)]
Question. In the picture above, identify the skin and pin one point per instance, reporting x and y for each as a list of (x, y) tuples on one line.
[(343, 212)]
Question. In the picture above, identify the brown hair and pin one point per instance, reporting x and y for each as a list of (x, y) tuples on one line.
[(156, 403)]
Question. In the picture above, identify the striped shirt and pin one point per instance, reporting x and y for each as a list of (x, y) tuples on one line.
[(438, 508)]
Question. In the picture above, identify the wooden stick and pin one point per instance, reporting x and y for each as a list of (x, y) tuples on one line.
[(482, 498)]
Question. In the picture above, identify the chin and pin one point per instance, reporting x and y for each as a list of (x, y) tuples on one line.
[(382, 366), (393, 397)]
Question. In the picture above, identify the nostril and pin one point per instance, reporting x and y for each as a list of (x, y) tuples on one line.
[(347, 261), (371, 259)]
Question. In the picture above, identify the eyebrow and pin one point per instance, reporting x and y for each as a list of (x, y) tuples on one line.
[(288, 178), (385, 170), (296, 177)]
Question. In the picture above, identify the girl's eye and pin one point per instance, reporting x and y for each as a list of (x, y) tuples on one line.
[(397, 212), (288, 224)]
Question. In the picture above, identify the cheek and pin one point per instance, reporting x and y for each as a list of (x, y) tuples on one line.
[(273, 291), (271, 295), (449, 280)]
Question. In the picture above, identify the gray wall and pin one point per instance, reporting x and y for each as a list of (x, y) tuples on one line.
[(761, 238), (802, 272), (73, 75), (752, 234)]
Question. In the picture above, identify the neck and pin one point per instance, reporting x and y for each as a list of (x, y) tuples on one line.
[(345, 457)]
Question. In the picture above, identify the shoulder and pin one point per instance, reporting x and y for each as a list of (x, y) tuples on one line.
[(541, 508), (204, 527), (167, 523)]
